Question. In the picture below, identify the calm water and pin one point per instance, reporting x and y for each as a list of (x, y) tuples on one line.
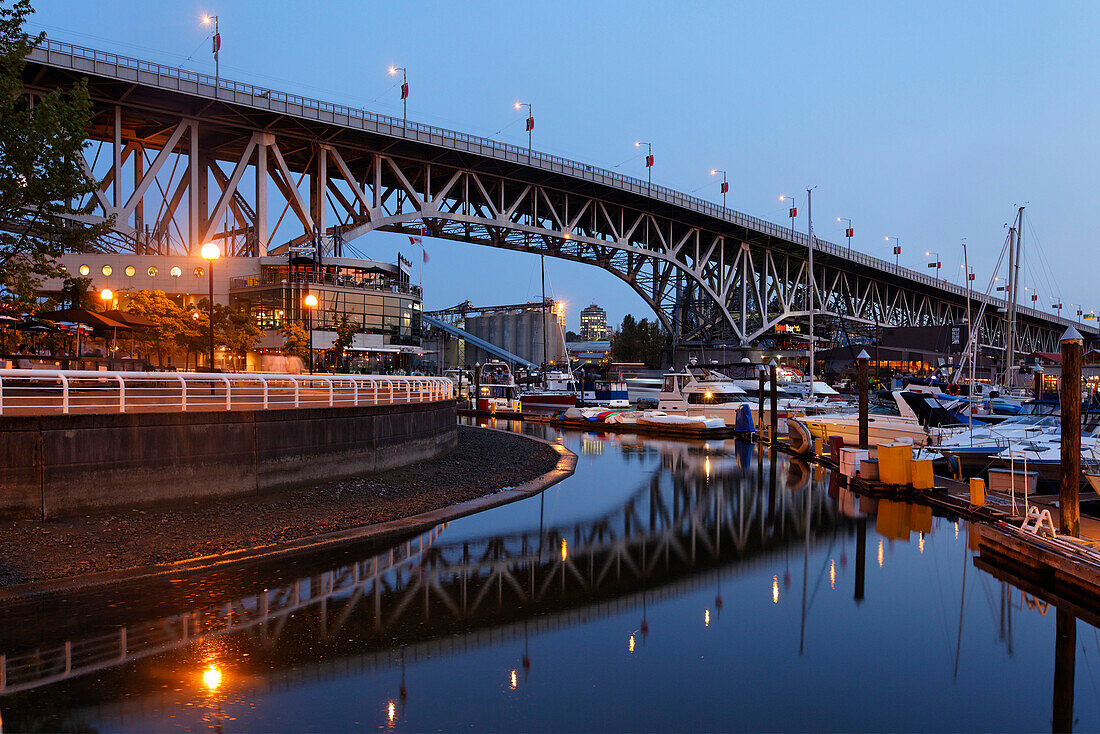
[(667, 585)]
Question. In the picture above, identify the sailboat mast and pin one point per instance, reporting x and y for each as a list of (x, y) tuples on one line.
[(1010, 297), (545, 354), (813, 298)]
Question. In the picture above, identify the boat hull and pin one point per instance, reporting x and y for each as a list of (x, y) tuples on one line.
[(548, 401)]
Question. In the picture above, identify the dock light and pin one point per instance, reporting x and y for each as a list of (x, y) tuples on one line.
[(107, 294), (211, 252)]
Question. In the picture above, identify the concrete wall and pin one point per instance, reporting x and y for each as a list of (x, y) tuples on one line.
[(60, 464)]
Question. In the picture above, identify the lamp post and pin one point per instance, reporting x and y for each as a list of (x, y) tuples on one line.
[(210, 252), (725, 184), (897, 249), (848, 231), (217, 46), (404, 94), (937, 264), (792, 212), (648, 162), (310, 302), (108, 296), (530, 124)]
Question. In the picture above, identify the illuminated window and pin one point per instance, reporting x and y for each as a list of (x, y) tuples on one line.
[(199, 273), (106, 270), (152, 271), (84, 270), (175, 272), (130, 270)]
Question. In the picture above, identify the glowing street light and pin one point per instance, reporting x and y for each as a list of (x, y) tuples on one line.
[(217, 46), (530, 124), (848, 231), (210, 252), (107, 295), (792, 212), (648, 162), (897, 249), (937, 264), (725, 184), (404, 94), (310, 302)]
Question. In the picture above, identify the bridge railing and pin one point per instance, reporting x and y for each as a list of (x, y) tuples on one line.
[(88, 59), (45, 392)]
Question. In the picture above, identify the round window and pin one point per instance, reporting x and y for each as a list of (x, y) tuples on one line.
[(107, 270), (130, 270), (84, 270), (152, 271), (199, 273), (175, 272)]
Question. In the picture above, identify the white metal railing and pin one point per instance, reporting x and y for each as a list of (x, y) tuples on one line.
[(43, 392)]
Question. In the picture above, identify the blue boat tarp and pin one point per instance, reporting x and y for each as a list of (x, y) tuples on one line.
[(743, 421)]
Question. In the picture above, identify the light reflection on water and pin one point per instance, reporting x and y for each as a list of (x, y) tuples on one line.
[(666, 585)]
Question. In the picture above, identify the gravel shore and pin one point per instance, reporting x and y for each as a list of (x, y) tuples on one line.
[(484, 463)]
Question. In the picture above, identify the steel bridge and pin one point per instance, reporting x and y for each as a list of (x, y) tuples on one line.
[(694, 516), (182, 159)]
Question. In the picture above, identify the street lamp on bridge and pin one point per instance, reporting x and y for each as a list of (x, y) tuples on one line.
[(648, 162), (848, 231), (792, 212), (725, 184), (217, 46), (897, 249), (404, 94), (530, 124), (211, 252), (937, 264)]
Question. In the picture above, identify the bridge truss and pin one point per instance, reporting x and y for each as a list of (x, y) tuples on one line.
[(181, 161)]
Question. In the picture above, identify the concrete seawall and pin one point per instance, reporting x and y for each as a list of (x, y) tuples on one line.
[(60, 464)]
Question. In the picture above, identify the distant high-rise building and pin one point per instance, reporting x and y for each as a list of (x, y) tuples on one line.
[(594, 324)]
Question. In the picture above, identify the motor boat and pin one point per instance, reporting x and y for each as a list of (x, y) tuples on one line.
[(559, 393), (607, 392), (496, 388), (905, 415)]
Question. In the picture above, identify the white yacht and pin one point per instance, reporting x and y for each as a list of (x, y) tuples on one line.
[(914, 416), (701, 391)]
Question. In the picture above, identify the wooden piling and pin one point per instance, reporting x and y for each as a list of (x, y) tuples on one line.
[(864, 397), (761, 400), (774, 374), (1070, 398)]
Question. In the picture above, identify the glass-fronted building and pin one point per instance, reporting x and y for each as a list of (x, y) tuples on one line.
[(377, 298)]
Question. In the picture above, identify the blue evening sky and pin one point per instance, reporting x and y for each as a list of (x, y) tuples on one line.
[(929, 121)]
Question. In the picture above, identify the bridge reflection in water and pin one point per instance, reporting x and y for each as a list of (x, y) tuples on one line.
[(705, 511)]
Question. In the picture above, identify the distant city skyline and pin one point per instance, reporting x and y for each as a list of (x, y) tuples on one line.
[(928, 124)]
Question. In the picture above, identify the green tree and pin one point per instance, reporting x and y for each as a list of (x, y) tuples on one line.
[(172, 324), (295, 340), (40, 172), (236, 330), (76, 293), (345, 333)]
